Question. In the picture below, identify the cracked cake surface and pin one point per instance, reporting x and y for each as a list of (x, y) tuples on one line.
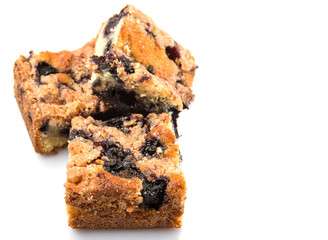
[(124, 173), (137, 67), (52, 88)]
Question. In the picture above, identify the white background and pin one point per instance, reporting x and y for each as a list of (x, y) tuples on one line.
[(254, 142)]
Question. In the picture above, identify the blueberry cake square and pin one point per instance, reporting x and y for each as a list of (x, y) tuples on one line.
[(139, 68), (52, 88), (124, 173)]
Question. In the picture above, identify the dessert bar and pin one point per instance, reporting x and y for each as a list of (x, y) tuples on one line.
[(124, 173)]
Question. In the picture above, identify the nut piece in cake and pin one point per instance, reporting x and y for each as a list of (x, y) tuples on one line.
[(137, 67), (124, 173)]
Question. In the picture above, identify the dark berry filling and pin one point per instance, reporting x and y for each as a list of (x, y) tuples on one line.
[(79, 133), (44, 69), (180, 82), (113, 21), (115, 122), (103, 62), (64, 131), (127, 63), (110, 113), (174, 117), (150, 69), (44, 126), (153, 192), (124, 96), (113, 151), (108, 46), (149, 148), (118, 123), (121, 163), (173, 52), (123, 100), (148, 31), (85, 78)]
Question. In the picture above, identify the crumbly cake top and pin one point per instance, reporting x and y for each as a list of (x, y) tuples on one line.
[(139, 154), (57, 83), (132, 50)]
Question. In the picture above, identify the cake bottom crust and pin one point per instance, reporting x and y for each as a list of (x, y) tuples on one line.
[(118, 219)]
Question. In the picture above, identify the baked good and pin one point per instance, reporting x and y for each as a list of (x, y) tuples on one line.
[(51, 89), (137, 67), (124, 173)]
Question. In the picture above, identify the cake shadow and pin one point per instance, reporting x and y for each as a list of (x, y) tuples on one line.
[(135, 234)]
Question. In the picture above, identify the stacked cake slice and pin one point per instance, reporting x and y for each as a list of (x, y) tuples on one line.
[(51, 89), (116, 101), (139, 67), (124, 173)]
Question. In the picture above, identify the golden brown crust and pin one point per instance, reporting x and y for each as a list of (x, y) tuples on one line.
[(49, 101), (149, 47), (98, 198)]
